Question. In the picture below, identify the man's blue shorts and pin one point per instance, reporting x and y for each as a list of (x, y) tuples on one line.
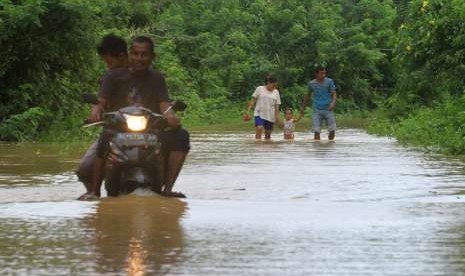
[(262, 122)]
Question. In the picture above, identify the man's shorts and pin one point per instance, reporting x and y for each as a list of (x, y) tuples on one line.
[(319, 116), (175, 140), (267, 125)]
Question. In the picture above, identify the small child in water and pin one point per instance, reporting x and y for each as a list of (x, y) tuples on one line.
[(289, 124)]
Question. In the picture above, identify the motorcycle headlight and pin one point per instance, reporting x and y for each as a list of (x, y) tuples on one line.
[(136, 123)]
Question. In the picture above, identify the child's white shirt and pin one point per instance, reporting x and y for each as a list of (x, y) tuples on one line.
[(289, 126)]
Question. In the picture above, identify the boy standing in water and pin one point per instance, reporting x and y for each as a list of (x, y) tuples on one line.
[(266, 100), (324, 100)]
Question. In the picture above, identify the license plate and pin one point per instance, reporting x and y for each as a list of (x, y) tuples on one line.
[(137, 137), (132, 136)]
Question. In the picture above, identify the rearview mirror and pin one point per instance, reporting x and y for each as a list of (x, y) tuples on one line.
[(179, 106), (90, 98)]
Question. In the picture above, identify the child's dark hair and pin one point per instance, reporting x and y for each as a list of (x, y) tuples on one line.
[(319, 68), (112, 45), (270, 79)]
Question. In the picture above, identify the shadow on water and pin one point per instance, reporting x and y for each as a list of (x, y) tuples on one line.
[(137, 234)]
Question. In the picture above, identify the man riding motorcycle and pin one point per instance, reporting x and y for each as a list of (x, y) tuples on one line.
[(140, 85)]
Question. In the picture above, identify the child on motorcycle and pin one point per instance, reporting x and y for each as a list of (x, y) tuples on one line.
[(113, 52)]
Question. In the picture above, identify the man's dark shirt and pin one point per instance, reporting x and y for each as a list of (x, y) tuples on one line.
[(121, 88)]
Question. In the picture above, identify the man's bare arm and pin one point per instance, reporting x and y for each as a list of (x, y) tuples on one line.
[(277, 113), (97, 110), (249, 107), (170, 115), (251, 104), (333, 102)]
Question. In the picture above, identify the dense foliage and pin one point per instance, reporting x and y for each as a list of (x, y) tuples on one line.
[(213, 52), (427, 107), (403, 57)]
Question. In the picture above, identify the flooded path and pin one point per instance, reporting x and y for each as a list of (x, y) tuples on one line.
[(362, 205)]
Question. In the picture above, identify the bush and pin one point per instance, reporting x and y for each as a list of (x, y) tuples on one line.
[(441, 128), (24, 126)]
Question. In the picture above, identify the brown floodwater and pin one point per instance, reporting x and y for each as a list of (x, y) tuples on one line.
[(362, 205)]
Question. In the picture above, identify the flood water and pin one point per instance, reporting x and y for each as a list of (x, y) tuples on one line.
[(362, 205)]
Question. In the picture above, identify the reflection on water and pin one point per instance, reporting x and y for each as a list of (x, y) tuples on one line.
[(361, 205), (132, 235), (139, 235)]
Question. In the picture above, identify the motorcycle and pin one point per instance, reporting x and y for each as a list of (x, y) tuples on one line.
[(134, 158)]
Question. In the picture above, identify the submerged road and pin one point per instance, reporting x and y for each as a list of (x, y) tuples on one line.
[(362, 205)]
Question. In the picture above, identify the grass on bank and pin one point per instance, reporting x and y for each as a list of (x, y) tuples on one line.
[(436, 129)]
